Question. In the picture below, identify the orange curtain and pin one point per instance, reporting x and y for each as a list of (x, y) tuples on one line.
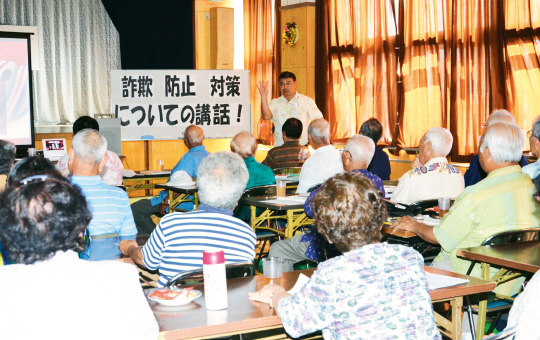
[(259, 59), (452, 70), (522, 53), (356, 65)]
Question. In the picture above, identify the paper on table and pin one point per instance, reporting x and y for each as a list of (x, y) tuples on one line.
[(436, 281), (300, 282), (289, 200), (431, 221)]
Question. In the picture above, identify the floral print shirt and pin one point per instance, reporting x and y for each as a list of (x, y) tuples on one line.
[(378, 291)]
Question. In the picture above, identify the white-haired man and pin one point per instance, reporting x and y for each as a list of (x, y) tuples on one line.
[(503, 201), (356, 157), (178, 241), (325, 161), (112, 219), (435, 178), (475, 173), (143, 209), (533, 169)]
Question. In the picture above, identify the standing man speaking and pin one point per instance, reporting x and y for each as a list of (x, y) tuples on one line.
[(291, 104)]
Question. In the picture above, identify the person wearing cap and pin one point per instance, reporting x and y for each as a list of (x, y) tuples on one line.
[(178, 241), (145, 208)]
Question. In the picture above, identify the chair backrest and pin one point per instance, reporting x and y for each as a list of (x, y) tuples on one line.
[(287, 171), (262, 190), (425, 204), (233, 271), (513, 236)]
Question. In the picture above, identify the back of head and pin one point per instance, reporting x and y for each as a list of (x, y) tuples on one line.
[(361, 148), (194, 135), (27, 167), (42, 215), (89, 145), (7, 156), (499, 116), (292, 128), (505, 142), (536, 128), (244, 144), (319, 130), (441, 141), (372, 128), (349, 211), (287, 74), (85, 122), (222, 178)]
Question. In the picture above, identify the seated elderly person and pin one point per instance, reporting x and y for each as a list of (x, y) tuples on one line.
[(435, 178), (475, 173), (533, 169), (245, 145), (503, 201), (356, 156), (189, 164), (286, 155), (43, 218), (178, 241), (380, 164), (112, 219), (7, 157), (113, 170), (374, 290), (325, 161)]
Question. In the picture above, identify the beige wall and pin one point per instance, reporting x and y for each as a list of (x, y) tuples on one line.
[(300, 59)]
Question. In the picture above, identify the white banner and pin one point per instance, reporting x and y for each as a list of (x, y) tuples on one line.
[(160, 104)]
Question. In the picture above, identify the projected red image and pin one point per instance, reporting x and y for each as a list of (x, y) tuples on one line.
[(15, 116), (53, 145)]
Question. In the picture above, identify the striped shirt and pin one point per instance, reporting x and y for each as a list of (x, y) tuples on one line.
[(284, 156), (179, 239), (111, 212)]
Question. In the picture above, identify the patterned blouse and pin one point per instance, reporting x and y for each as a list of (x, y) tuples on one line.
[(378, 291), (112, 172)]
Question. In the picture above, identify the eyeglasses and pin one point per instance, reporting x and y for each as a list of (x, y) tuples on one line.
[(33, 179)]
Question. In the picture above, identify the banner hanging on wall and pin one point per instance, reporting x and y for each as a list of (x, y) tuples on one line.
[(160, 104)]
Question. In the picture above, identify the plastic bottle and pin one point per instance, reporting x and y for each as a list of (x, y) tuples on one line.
[(215, 280)]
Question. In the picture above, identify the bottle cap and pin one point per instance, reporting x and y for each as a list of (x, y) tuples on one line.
[(213, 257)]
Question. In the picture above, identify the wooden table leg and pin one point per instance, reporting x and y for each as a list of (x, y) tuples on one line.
[(457, 305)]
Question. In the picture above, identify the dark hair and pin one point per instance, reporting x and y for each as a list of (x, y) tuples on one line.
[(42, 217), (349, 211), (85, 122), (287, 74), (7, 156), (292, 128), (372, 128), (27, 167)]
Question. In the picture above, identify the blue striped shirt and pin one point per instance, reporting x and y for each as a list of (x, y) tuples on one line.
[(179, 239), (111, 212)]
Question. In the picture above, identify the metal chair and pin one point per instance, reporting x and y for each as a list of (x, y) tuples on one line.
[(233, 271), (264, 233), (500, 304), (287, 171)]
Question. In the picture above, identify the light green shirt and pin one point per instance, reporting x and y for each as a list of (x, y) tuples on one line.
[(503, 201)]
